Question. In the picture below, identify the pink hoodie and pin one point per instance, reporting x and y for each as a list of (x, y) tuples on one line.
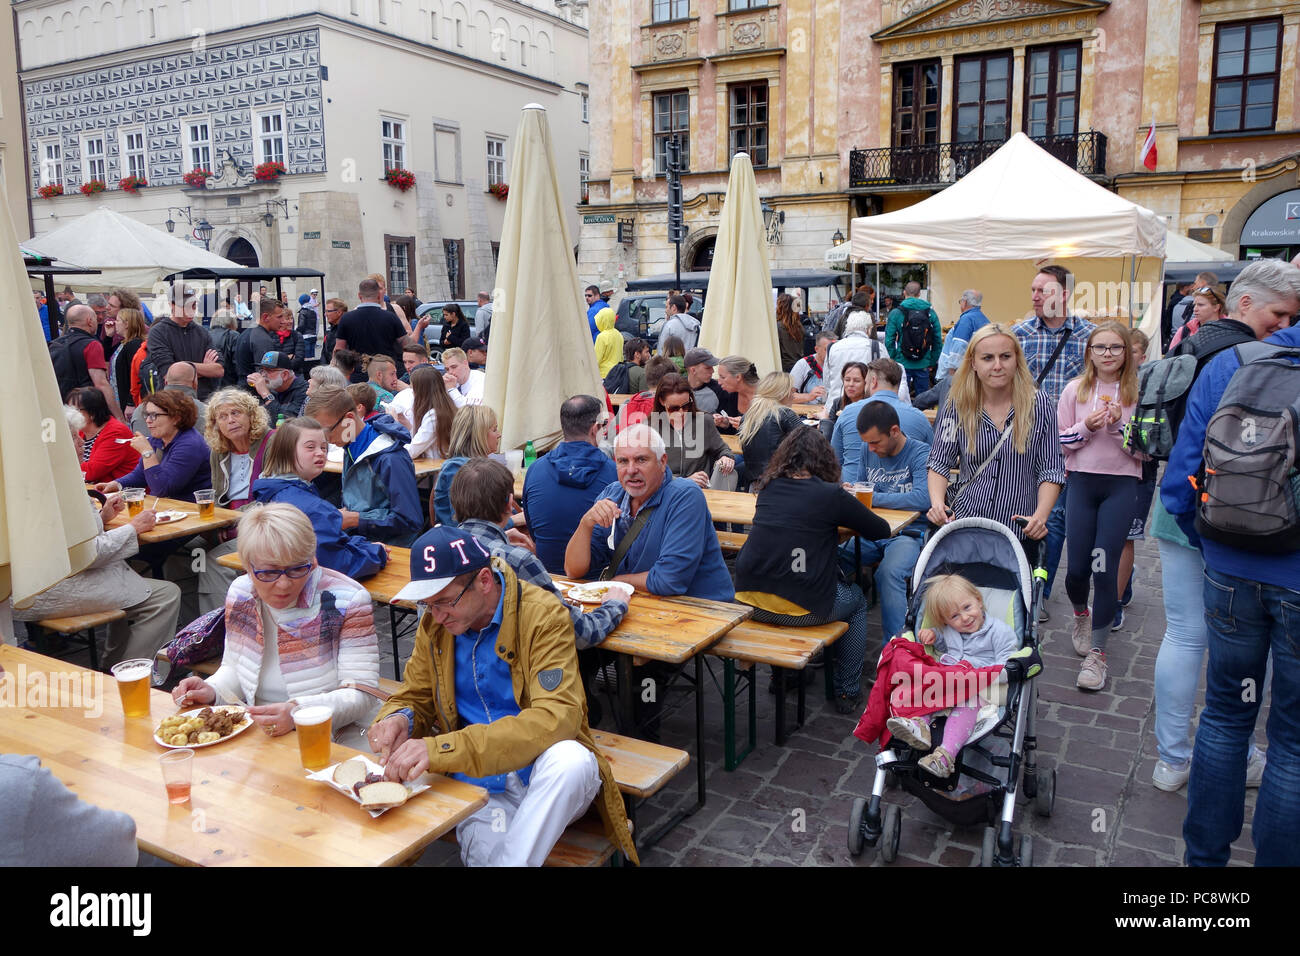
[(1101, 452)]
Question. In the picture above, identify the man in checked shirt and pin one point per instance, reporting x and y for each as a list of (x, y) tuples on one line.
[(1039, 337)]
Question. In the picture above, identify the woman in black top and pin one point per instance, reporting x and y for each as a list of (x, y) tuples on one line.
[(789, 331), (693, 443), (455, 328), (769, 419), (787, 569), (130, 322)]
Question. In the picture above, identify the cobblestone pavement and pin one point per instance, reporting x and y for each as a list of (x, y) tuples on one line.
[(790, 805)]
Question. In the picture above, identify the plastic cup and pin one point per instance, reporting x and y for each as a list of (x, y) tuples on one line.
[(133, 680), (207, 502), (177, 770), (314, 725), (865, 492), (515, 461), (134, 501)]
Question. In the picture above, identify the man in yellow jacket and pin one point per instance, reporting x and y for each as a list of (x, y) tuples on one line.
[(492, 696)]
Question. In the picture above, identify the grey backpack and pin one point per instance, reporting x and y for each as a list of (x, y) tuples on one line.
[(1248, 481)]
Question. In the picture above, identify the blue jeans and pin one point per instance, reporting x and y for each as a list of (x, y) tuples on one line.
[(1055, 540), (897, 557), (1244, 620), (918, 380), (1182, 652)]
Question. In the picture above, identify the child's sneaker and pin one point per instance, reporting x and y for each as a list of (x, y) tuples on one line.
[(909, 730), (1082, 634), (938, 763)]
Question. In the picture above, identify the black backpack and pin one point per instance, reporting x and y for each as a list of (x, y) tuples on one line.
[(1249, 488), (619, 379), (68, 356), (916, 337), (1163, 388)]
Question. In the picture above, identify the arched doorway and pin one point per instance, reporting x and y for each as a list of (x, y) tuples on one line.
[(242, 252), (702, 259)]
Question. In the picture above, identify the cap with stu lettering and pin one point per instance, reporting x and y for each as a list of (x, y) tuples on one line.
[(438, 557)]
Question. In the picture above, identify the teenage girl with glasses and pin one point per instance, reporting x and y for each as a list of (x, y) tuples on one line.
[(1093, 416)]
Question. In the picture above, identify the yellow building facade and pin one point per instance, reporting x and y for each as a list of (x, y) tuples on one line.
[(857, 107)]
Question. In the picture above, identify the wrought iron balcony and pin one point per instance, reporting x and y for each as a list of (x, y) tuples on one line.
[(942, 163)]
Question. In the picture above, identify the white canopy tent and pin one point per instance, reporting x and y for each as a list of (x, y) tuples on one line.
[(128, 253), (1017, 210), (1180, 250)]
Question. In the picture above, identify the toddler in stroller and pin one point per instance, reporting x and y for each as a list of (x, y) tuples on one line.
[(965, 632)]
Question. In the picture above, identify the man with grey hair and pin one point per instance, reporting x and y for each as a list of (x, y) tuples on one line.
[(78, 357), (858, 345), (1249, 594), (972, 320), (673, 548)]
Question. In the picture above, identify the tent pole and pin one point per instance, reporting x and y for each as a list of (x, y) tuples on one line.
[(876, 304), (1132, 289)]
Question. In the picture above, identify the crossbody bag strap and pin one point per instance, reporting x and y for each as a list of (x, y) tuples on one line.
[(638, 525), (1060, 347), (1006, 433)]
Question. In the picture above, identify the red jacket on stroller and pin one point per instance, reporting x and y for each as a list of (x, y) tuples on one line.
[(910, 683)]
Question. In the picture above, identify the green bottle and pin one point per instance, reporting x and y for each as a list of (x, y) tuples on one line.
[(279, 421), (530, 454)]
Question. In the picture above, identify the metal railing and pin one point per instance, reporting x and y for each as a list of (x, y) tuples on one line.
[(948, 162)]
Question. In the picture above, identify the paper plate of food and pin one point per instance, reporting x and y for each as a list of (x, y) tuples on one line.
[(362, 780), (595, 592), (163, 517), (202, 727)]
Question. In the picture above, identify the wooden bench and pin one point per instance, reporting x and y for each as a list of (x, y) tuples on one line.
[(782, 648), (732, 541), (82, 627)]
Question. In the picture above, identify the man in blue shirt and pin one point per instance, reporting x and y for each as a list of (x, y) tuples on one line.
[(884, 376), (972, 320), (1250, 602), (594, 304), (675, 550), (561, 485), (896, 464), (492, 696)]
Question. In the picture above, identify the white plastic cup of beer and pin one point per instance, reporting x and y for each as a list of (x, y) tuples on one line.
[(134, 498), (314, 734), (133, 681), (207, 502)]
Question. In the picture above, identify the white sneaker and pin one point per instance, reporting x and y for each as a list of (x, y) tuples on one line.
[(1255, 767), (1170, 778), (1082, 634)]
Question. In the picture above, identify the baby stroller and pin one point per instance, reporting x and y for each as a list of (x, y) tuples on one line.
[(1001, 749)]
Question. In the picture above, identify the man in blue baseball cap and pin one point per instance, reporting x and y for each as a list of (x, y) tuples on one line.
[(492, 696), (281, 391)]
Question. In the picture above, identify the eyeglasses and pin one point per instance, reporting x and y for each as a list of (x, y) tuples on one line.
[(150, 416), (677, 408), (442, 607), (271, 575), (1205, 290), (1107, 349), (329, 429)]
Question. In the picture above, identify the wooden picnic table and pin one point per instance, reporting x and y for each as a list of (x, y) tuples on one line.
[(931, 414), (423, 466), (732, 442), (809, 409), (737, 507), (185, 528), (251, 803)]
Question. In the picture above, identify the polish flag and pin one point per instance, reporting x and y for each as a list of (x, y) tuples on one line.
[(1148, 155)]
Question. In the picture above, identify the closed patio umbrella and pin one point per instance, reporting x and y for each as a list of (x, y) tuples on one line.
[(740, 312), (541, 351), (46, 529)]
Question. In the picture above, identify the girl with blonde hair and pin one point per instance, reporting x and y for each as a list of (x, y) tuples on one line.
[(768, 420), (999, 431), (1094, 414)]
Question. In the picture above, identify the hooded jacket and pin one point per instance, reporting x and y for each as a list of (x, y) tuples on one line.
[(893, 335), (379, 483), (609, 343), (335, 548), (536, 641), (683, 325), (558, 489)]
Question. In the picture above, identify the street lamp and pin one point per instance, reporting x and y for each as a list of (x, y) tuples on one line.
[(204, 231), (271, 205), (838, 238)]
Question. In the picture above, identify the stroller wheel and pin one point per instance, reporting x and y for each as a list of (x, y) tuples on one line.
[(893, 830), (1045, 799), (855, 826), (989, 851), (1026, 850)]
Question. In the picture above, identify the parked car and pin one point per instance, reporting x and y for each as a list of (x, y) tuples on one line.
[(433, 331), (643, 315)]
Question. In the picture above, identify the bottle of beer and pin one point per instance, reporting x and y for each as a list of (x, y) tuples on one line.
[(530, 454), (279, 421)]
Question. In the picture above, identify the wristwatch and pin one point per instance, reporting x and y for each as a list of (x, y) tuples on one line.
[(148, 454)]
